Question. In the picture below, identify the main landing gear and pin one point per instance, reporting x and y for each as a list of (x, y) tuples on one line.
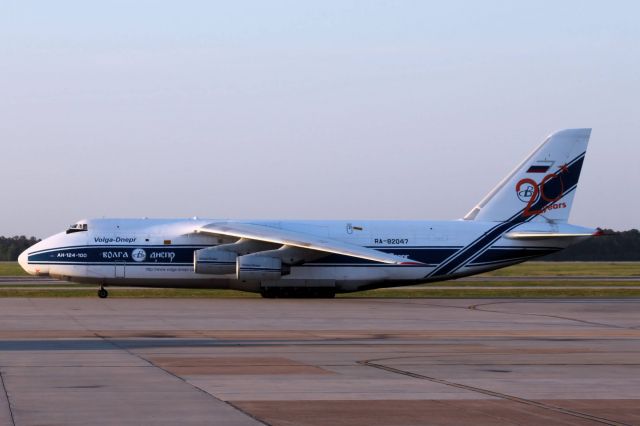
[(103, 293), (298, 292)]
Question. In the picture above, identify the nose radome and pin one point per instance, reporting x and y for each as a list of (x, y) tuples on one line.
[(23, 261)]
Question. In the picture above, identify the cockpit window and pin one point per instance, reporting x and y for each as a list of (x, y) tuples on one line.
[(77, 227)]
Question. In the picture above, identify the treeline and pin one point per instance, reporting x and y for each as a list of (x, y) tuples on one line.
[(11, 247), (610, 247)]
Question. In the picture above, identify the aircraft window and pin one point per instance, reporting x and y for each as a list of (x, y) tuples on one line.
[(77, 227)]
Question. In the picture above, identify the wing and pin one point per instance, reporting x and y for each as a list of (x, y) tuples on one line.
[(301, 240)]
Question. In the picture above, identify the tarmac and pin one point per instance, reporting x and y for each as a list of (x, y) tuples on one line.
[(79, 361), (12, 280)]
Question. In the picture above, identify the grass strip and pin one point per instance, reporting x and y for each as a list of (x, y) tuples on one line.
[(497, 293), (11, 269), (532, 269)]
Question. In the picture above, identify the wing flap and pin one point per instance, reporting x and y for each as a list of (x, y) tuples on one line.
[(300, 239)]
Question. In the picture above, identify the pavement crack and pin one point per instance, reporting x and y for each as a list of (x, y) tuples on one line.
[(198, 388), (529, 402), (480, 308), (6, 395)]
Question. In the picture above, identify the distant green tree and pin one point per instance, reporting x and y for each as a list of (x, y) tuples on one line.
[(11, 247)]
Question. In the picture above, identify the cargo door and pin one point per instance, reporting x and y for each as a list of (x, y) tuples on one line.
[(120, 270)]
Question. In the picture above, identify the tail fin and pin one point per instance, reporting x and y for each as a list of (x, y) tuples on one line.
[(542, 187)]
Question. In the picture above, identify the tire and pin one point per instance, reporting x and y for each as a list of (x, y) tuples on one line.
[(297, 293)]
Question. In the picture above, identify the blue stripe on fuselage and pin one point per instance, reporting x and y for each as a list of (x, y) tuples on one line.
[(567, 178), (95, 256)]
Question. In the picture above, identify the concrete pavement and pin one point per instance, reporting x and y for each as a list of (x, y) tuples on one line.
[(317, 362)]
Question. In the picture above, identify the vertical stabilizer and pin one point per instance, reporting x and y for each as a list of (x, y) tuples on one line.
[(542, 187)]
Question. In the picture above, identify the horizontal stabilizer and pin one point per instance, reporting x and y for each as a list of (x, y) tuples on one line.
[(545, 235)]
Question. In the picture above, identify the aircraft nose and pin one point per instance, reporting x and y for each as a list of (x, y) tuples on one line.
[(23, 260), (35, 267)]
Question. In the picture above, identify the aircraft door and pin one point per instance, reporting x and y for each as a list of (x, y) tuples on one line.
[(120, 270)]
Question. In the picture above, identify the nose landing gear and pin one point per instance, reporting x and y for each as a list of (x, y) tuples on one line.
[(103, 293)]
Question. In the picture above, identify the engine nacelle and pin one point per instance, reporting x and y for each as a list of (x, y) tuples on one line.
[(213, 261), (260, 268)]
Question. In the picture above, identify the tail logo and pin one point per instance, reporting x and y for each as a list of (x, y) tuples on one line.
[(550, 189), (526, 189)]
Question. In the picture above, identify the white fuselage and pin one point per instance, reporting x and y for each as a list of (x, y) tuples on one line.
[(160, 253), (523, 217)]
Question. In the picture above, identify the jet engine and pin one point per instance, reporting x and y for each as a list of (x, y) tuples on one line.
[(260, 268), (214, 261)]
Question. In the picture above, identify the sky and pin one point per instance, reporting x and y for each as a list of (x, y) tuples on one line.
[(308, 110)]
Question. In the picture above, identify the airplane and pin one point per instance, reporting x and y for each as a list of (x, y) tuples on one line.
[(525, 216)]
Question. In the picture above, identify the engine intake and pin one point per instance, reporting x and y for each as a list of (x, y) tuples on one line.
[(214, 261)]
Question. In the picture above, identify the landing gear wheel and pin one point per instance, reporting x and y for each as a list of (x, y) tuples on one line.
[(298, 293), (103, 293), (269, 293)]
